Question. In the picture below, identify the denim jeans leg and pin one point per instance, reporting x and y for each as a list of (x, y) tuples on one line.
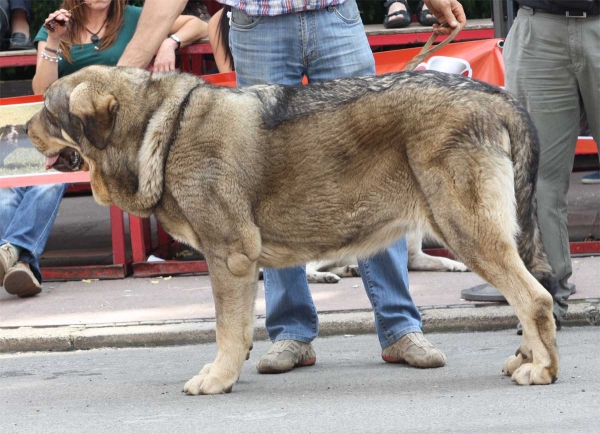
[(337, 45), (342, 51), (385, 276), (10, 198), (291, 312), (32, 221), (324, 45), (267, 49)]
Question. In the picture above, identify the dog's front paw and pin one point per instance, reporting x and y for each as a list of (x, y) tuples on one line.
[(331, 278), (456, 266), (322, 277), (205, 384), (532, 373)]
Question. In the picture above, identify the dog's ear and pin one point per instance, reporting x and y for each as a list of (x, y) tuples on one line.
[(97, 112)]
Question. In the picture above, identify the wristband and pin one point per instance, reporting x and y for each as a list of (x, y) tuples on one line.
[(176, 39)]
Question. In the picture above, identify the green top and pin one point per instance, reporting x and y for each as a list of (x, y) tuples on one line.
[(86, 54)]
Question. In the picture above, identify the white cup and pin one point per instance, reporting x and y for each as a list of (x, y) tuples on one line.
[(450, 65)]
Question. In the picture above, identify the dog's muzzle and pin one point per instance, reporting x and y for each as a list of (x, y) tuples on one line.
[(68, 160)]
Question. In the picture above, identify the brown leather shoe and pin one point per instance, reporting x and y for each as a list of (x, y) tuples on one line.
[(415, 350), (286, 355), (8, 258), (20, 281)]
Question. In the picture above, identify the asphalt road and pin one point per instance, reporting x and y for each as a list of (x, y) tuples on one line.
[(349, 390)]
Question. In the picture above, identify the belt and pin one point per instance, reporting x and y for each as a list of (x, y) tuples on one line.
[(567, 14)]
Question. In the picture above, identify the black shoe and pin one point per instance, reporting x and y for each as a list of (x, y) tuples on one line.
[(482, 292), (20, 41), (422, 13), (403, 19)]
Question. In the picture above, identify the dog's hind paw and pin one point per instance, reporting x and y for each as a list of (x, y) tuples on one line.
[(352, 270), (513, 363), (531, 373)]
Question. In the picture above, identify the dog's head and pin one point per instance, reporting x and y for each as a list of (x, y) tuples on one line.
[(98, 117), (78, 117), (77, 123)]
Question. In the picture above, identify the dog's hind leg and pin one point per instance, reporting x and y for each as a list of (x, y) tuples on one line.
[(476, 218), (234, 281)]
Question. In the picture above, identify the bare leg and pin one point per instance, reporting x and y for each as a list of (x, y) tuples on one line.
[(18, 21)]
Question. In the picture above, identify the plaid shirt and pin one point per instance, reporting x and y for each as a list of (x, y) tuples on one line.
[(279, 7)]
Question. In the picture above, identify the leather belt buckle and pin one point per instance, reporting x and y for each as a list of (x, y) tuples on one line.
[(578, 14)]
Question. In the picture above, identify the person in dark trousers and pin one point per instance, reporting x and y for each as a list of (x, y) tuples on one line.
[(552, 61), (16, 14)]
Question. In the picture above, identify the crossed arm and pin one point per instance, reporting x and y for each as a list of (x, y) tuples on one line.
[(156, 21)]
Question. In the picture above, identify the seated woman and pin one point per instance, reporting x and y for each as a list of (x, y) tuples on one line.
[(79, 34), (218, 36)]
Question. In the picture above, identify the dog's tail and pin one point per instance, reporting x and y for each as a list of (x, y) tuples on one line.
[(525, 152)]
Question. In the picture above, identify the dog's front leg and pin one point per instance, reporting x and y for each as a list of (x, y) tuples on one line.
[(234, 283)]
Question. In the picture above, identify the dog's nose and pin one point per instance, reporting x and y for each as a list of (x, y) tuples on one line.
[(25, 127)]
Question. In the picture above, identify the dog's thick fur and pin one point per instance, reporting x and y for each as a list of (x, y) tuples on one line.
[(277, 176)]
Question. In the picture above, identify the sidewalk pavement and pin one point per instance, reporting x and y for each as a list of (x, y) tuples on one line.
[(176, 310), (180, 310)]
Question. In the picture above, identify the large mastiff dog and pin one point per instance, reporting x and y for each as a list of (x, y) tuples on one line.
[(276, 176)]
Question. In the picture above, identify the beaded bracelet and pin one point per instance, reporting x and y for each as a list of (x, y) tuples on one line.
[(56, 58)]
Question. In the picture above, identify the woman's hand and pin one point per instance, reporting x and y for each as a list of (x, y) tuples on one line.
[(165, 57), (60, 16)]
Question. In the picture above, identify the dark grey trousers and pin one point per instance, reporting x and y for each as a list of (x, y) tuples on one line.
[(6, 6), (553, 67)]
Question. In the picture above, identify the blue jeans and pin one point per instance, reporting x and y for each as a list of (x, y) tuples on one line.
[(323, 45), (26, 218)]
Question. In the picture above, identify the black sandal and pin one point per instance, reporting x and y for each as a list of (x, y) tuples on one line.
[(397, 23), (422, 13)]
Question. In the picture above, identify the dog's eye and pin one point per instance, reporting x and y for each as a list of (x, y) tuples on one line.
[(50, 116)]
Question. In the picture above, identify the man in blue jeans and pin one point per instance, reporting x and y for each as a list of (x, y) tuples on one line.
[(26, 218), (276, 42)]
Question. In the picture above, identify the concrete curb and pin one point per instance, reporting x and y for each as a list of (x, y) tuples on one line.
[(164, 333)]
